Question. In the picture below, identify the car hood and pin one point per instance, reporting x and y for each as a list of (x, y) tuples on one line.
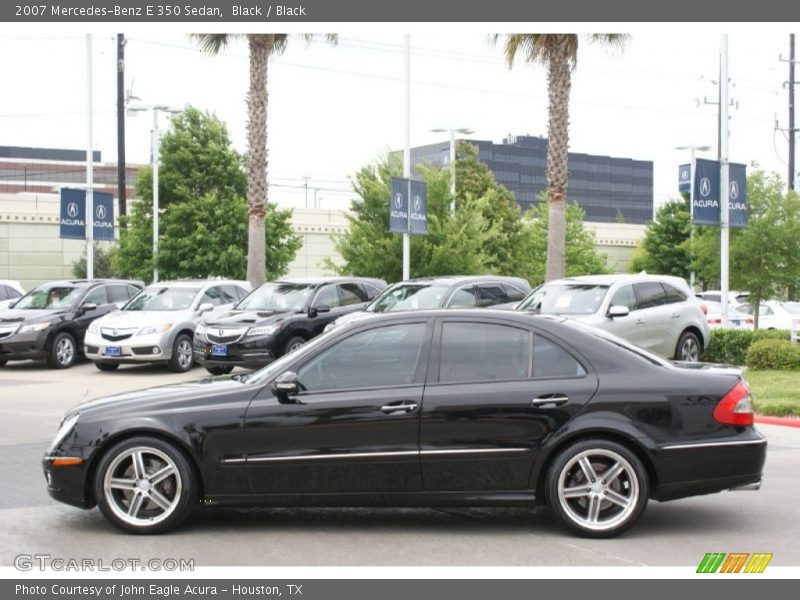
[(250, 317), (353, 317), (174, 397), (29, 315), (143, 318)]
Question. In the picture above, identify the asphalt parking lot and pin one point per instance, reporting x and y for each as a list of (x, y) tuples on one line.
[(33, 399)]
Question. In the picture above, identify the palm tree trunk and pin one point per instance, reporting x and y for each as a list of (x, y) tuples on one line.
[(260, 49), (558, 86)]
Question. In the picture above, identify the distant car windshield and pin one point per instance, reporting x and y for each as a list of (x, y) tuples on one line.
[(565, 299), (409, 297), (792, 307), (160, 297), (50, 297), (278, 296)]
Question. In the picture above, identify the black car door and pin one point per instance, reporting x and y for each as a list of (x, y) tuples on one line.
[(498, 392), (94, 305), (326, 296), (355, 426)]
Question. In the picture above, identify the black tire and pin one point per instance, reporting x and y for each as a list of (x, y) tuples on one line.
[(107, 366), (182, 358), (63, 351), (293, 343), (219, 370), (689, 347), (179, 490), (630, 485), (3, 363)]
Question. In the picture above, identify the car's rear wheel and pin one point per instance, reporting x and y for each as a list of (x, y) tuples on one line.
[(182, 358), (597, 488), (293, 344), (3, 363), (688, 348), (219, 370), (63, 351), (145, 485), (107, 366)]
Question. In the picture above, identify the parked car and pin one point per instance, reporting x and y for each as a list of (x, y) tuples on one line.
[(49, 322), (657, 312), (453, 291), (736, 318), (773, 314), (277, 318), (424, 408), (10, 291), (734, 298), (157, 325)]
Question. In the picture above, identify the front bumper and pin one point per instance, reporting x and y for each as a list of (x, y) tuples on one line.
[(249, 352), (24, 346), (156, 347), (69, 484)]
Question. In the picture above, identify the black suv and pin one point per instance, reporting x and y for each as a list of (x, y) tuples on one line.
[(50, 321), (451, 291), (278, 317)]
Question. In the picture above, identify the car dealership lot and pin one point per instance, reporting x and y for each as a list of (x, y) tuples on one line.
[(33, 399)]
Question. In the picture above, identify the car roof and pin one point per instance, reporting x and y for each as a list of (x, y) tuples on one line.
[(622, 278), (197, 282), (464, 279), (327, 279), (79, 283)]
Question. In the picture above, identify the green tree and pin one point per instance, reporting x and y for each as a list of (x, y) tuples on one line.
[(203, 228), (102, 259), (582, 257), (262, 46), (665, 248), (559, 53)]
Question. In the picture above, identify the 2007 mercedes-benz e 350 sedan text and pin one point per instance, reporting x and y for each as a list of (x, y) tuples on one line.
[(429, 408)]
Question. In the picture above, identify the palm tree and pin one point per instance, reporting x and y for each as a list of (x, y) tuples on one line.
[(559, 52), (262, 46)]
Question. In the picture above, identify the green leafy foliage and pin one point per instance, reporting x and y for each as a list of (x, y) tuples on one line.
[(774, 354), (665, 248), (730, 345), (102, 263), (204, 219)]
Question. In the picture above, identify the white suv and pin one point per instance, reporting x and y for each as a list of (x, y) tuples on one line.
[(10, 292), (657, 312)]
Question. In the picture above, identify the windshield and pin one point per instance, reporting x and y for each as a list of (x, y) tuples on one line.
[(278, 297), (409, 297), (159, 297), (565, 299), (50, 297)]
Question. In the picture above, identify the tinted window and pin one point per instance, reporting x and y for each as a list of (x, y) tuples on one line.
[(551, 360), (352, 293), (624, 296), (3, 292), (118, 293), (132, 291), (514, 295), (484, 352), (673, 294), (97, 296), (213, 296), (240, 292), (490, 294), (386, 356), (13, 293), (650, 294), (328, 295), (229, 294), (371, 290), (463, 298)]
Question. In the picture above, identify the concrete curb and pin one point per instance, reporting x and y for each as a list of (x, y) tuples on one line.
[(784, 421)]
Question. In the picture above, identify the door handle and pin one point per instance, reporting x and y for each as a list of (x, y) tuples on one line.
[(640, 321), (550, 400), (675, 315), (405, 406)]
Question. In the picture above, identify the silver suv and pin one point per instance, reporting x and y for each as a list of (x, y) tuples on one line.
[(657, 312)]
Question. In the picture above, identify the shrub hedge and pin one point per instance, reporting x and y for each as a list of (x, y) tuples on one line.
[(774, 354), (730, 345)]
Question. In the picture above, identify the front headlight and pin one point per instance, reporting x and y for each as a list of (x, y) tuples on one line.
[(152, 330), (94, 327), (263, 330), (64, 430), (34, 327)]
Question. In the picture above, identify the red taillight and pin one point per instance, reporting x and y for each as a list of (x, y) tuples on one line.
[(736, 407), (749, 320), (704, 308), (714, 321)]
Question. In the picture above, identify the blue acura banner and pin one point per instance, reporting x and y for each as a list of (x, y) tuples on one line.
[(398, 206), (705, 195), (73, 215), (684, 178), (737, 203), (419, 208), (399, 221)]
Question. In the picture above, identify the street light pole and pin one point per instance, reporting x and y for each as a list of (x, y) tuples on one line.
[(692, 166), (154, 154), (407, 151), (724, 179), (89, 164)]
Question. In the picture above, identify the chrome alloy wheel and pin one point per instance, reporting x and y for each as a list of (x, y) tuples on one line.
[(185, 354), (690, 351), (295, 346), (598, 489), (65, 351), (142, 486)]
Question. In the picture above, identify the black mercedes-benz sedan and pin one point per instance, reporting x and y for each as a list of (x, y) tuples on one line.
[(278, 317), (428, 408)]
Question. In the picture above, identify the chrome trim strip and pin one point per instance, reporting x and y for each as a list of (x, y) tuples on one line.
[(713, 444), (341, 455)]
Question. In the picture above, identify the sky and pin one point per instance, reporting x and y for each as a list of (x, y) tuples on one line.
[(333, 110)]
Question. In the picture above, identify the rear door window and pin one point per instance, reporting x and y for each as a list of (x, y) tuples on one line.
[(514, 294), (490, 294), (483, 352), (352, 293), (673, 294), (98, 296), (624, 296), (463, 298), (650, 294)]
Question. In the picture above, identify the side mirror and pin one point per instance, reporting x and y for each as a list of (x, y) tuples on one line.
[(618, 311), (119, 305), (88, 306), (319, 308), (205, 307), (286, 385)]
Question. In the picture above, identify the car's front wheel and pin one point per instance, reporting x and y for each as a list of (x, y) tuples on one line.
[(219, 370), (63, 351), (293, 344), (182, 358), (597, 488), (145, 485), (688, 348), (3, 363)]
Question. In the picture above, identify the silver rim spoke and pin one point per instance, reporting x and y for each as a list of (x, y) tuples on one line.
[(161, 475), (587, 469), (138, 465), (122, 484), (614, 472), (136, 504), (160, 500), (579, 491), (617, 498), (593, 514)]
